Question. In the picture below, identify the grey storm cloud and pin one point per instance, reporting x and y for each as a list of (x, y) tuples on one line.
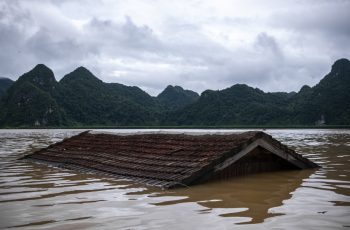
[(213, 44)]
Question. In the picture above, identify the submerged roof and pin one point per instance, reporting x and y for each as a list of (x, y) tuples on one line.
[(166, 160)]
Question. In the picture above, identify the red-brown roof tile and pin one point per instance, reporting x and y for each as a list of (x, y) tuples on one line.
[(160, 159)]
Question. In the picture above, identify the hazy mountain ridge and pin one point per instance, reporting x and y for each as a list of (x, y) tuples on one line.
[(30, 100), (80, 98), (104, 103), (5, 83), (175, 97), (237, 105), (328, 102)]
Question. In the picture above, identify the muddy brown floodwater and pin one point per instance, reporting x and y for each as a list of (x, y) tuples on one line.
[(34, 196)]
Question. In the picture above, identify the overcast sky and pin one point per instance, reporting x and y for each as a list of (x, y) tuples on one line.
[(273, 45)]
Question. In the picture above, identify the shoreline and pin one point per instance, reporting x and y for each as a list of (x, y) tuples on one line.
[(187, 127)]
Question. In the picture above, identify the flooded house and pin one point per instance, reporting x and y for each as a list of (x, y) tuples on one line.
[(171, 160)]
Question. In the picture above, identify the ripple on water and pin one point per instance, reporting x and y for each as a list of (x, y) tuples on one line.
[(35, 196)]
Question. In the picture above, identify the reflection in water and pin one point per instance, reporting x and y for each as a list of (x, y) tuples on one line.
[(254, 203), (35, 196)]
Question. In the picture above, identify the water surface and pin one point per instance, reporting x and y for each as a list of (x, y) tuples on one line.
[(34, 196)]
